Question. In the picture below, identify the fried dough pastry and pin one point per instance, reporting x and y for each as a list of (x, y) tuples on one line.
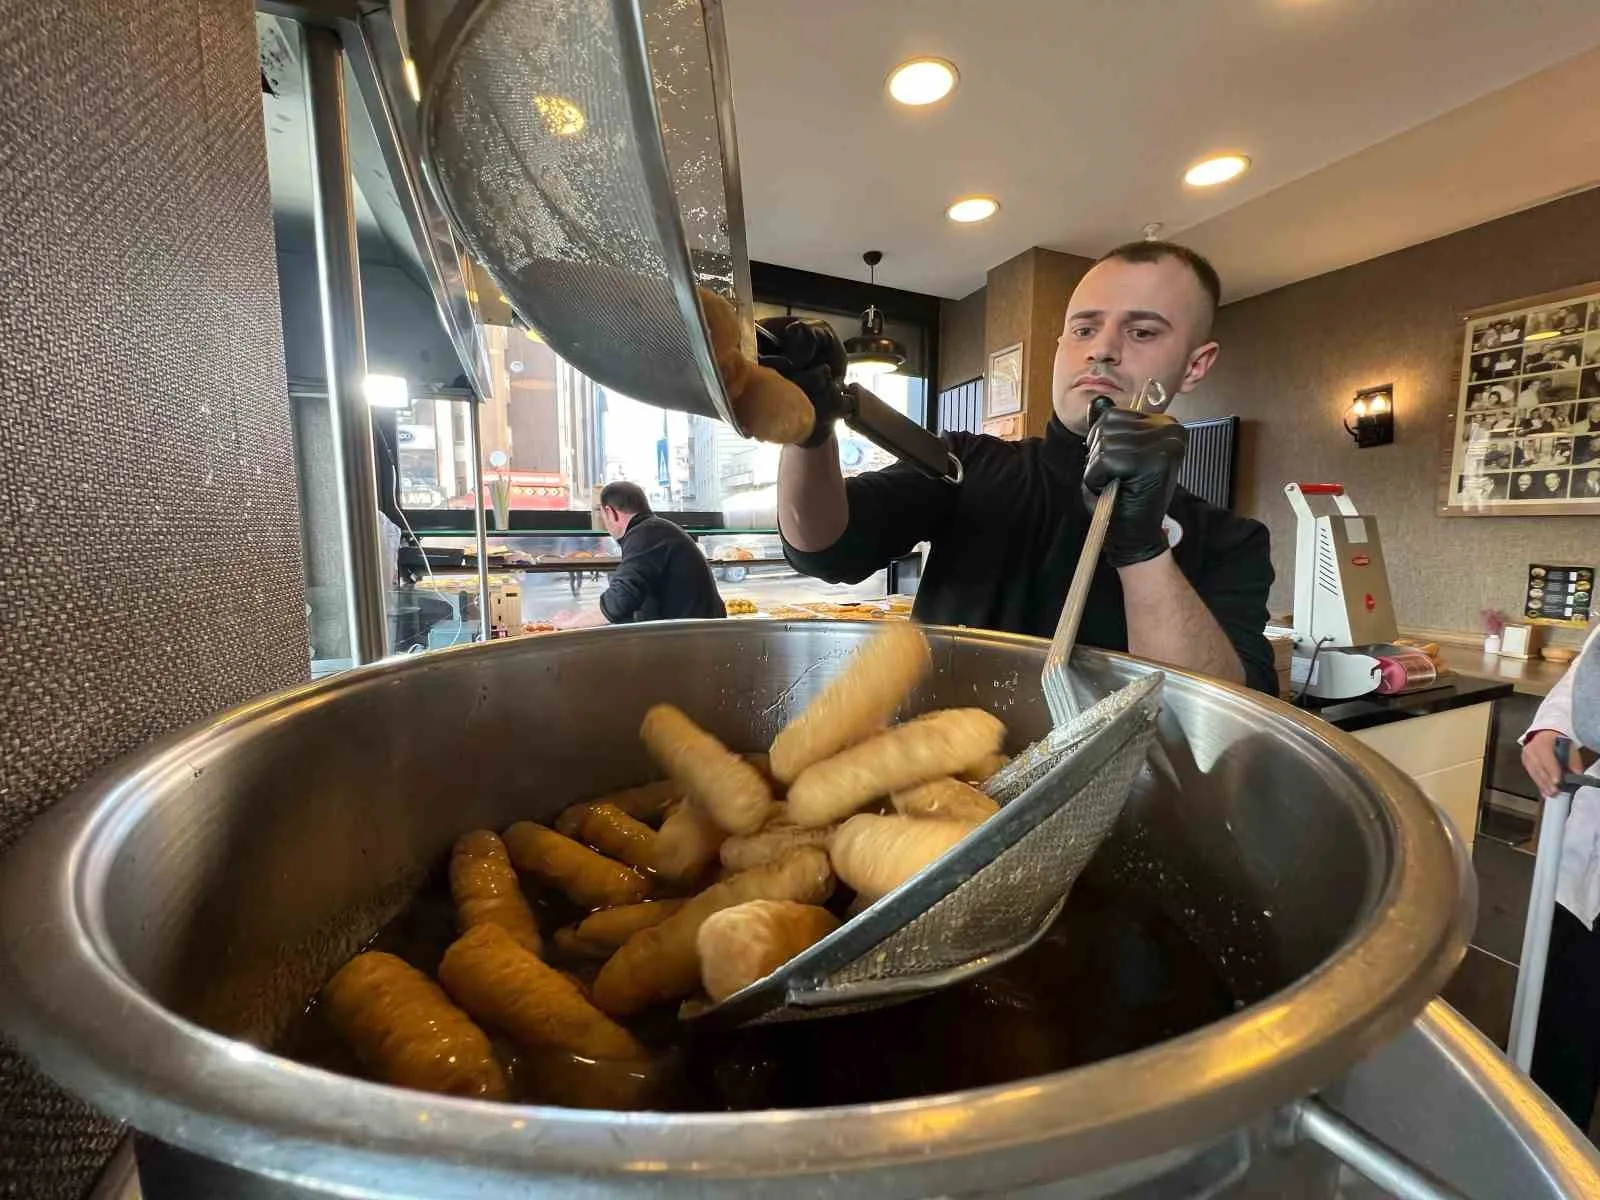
[(726, 787), (749, 941), (687, 843), (945, 797), (771, 842), (615, 834), (931, 746), (985, 767), (874, 855), (769, 407), (648, 802), (405, 1031), (486, 890), (857, 704), (588, 879), (508, 989), (600, 933), (662, 963)]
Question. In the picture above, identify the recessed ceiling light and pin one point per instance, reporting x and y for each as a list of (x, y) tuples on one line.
[(973, 208), (922, 81), (1211, 171)]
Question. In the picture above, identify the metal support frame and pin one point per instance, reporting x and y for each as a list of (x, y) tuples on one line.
[(339, 275), (480, 519)]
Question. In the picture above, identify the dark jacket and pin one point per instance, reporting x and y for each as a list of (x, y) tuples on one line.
[(662, 576), (1005, 541)]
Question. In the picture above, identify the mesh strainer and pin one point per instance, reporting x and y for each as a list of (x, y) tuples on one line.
[(991, 896), (585, 152)]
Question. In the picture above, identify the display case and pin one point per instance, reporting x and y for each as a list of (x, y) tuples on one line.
[(536, 576)]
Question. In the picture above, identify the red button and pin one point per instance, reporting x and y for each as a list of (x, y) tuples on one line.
[(1372, 602), (1361, 560)]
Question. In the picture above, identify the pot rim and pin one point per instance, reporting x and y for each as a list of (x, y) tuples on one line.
[(67, 1003)]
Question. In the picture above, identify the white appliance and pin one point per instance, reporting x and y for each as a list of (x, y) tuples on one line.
[(1343, 617)]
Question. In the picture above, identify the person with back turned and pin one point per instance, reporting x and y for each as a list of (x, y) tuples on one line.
[(663, 575), (1180, 581)]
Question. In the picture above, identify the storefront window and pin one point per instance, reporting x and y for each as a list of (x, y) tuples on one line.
[(562, 437)]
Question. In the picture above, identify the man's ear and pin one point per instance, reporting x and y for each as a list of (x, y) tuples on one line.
[(1200, 361)]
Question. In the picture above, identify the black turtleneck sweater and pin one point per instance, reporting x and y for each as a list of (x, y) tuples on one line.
[(1005, 541)]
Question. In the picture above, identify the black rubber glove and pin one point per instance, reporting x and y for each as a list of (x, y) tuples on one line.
[(1145, 452), (808, 353)]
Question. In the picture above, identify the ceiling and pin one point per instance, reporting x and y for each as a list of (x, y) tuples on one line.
[(1372, 125)]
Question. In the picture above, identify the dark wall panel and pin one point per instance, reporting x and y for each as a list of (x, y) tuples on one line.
[(149, 549)]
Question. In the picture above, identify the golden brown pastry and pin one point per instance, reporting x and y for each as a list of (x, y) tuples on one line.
[(607, 929), (769, 407), (687, 844), (931, 746), (726, 787), (486, 890), (945, 797), (857, 704), (874, 855), (508, 989), (661, 964), (615, 834), (984, 768), (775, 839), (588, 879), (405, 1031), (648, 802), (750, 941)]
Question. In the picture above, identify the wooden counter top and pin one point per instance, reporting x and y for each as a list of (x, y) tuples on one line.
[(1530, 676)]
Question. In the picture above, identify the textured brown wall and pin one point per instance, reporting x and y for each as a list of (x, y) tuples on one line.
[(1293, 359), (149, 551), (1054, 277), (1025, 301), (962, 354)]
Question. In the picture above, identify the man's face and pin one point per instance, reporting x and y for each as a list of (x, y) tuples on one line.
[(616, 523), (1126, 323), (1552, 482)]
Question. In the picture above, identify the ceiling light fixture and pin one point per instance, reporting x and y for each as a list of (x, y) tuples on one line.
[(870, 348), (970, 209), (922, 81), (1211, 171)]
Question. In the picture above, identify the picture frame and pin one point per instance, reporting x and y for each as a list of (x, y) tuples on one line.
[(1522, 438), (1003, 388)]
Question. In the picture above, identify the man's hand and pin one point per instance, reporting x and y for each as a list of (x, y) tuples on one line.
[(1539, 761), (1145, 452), (809, 354)]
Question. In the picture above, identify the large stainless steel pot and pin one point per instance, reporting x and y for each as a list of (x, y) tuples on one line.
[(172, 915)]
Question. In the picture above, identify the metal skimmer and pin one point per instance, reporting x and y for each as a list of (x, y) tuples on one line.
[(585, 151), (990, 897), (1055, 677)]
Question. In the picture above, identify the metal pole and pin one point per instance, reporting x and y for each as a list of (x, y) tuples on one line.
[(339, 273), (480, 523), (1315, 1122), (1536, 933)]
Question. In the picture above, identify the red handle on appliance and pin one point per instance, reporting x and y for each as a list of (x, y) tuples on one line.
[(1321, 489)]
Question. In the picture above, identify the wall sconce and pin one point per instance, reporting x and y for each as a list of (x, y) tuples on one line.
[(1373, 413)]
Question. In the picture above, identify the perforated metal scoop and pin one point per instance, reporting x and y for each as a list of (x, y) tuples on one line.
[(585, 151), (991, 896)]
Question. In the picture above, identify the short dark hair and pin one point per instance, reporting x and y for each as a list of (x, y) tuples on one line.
[(1153, 252), (625, 497)]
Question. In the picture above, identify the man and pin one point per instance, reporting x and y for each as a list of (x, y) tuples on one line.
[(663, 575), (1180, 581)]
